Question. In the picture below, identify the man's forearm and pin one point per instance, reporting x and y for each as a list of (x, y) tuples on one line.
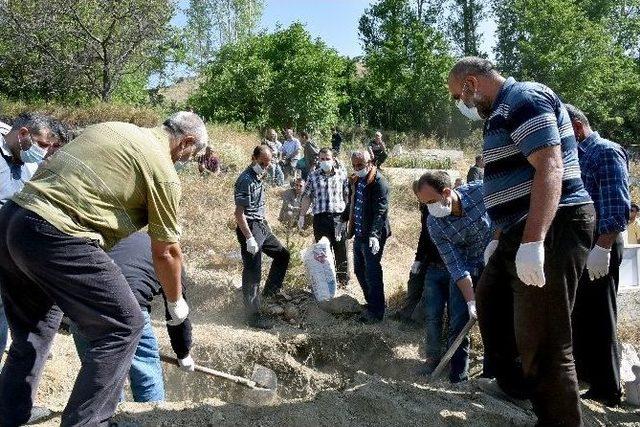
[(241, 221), (168, 267), (304, 206), (546, 190), (607, 240), (466, 287)]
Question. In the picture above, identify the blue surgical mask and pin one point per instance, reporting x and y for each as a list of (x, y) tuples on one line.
[(34, 154)]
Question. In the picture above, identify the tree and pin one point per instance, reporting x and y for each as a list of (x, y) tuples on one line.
[(554, 42), (407, 62), (462, 28), (280, 79), (212, 24), (70, 49)]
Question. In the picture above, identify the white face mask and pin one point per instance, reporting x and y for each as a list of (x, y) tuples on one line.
[(362, 172), (259, 170), (439, 210), (326, 165), (470, 113)]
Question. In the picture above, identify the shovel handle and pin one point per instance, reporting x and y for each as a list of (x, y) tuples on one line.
[(449, 354), (238, 380)]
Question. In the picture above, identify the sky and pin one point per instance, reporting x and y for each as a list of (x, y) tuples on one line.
[(335, 21)]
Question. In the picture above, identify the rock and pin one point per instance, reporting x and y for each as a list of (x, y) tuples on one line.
[(344, 304), (275, 310), (630, 374), (291, 312), (234, 282)]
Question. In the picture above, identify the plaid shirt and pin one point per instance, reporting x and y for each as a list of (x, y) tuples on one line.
[(329, 193), (605, 172), (461, 240)]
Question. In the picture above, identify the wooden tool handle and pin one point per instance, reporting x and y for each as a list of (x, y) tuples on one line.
[(449, 354), (238, 380)]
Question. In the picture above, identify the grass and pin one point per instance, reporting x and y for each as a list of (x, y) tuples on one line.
[(419, 162)]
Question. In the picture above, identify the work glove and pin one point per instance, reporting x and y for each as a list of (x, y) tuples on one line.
[(301, 223), (178, 311), (252, 246), (415, 267), (530, 263), (340, 231), (187, 364), (374, 244), (471, 306), (598, 262), (489, 250)]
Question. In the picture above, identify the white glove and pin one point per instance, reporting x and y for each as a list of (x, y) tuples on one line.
[(187, 364), (489, 250), (301, 222), (252, 246), (415, 267), (598, 262), (530, 263), (471, 306), (374, 244), (178, 311)]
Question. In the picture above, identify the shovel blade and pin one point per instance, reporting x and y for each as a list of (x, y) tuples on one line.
[(264, 377)]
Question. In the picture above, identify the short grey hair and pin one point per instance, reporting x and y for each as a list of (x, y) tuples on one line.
[(37, 123), (575, 114), (473, 66), (187, 123), (361, 154)]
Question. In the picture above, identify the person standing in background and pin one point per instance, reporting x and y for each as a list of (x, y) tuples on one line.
[(378, 150), (274, 172), (633, 229), (291, 153), (476, 172), (336, 140)]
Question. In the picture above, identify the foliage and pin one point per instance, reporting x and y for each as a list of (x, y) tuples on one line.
[(407, 62), (280, 79), (212, 24), (554, 42), (419, 162), (75, 50)]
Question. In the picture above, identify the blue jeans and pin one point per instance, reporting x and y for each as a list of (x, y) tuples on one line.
[(4, 329), (440, 290), (368, 270), (145, 374)]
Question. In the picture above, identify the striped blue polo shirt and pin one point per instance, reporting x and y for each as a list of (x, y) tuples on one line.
[(526, 117)]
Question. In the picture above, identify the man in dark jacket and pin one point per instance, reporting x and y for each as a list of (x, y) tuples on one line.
[(369, 225), (133, 256)]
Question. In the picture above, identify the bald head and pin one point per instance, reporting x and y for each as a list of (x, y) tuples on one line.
[(476, 82)]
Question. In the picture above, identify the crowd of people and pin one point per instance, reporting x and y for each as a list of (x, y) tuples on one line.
[(530, 246)]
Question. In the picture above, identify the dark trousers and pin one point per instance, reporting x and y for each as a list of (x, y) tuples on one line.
[(252, 264), (325, 225), (42, 269), (595, 339), (368, 270), (379, 157), (526, 330), (413, 305)]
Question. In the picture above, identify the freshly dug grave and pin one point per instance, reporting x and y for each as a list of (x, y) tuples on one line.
[(331, 370)]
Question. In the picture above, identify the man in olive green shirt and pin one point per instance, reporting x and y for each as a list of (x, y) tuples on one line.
[(109, 182)]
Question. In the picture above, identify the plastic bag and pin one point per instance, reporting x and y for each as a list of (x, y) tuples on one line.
[(320, 265)]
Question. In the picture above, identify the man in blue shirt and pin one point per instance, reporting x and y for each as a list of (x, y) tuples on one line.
[(460, 228), (544, 220), (369, 226), (605, 172)]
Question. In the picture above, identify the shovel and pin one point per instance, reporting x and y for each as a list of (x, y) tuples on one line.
[(263, 378), (449, 354)]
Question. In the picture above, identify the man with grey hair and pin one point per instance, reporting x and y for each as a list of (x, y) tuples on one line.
[(544, 221), (113, 180), (605, 173), (368, 218), (378, 149)]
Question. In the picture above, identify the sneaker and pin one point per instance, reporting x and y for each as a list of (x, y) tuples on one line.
[(260, 321), (491, 388), (369, 319), (38, 414)]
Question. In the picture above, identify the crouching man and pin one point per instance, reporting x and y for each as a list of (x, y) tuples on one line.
[(461, 229), (255, 237), (133, 256)]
